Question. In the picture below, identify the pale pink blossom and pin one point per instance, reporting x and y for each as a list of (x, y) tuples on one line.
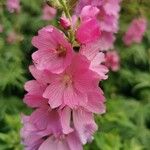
[(112, 60), (54, 51), (1, 28), (135, 31), (12, 37), (48, 13), (42, 130), (13, 6)]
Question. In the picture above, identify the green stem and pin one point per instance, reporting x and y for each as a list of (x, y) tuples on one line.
[(67, 13)]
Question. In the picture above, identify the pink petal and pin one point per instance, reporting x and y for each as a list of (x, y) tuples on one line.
[(74, 141), (65, 116), (95, 103), (89, 12), (48, 60), (73, 97), (34, 87), (90, 50), (49, 144), (99, 68), (54, 92), (39, 118), (84, 124), (88, 31), (53, 144), (43, 77), (34, 100)]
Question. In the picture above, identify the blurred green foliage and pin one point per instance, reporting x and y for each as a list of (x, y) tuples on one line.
[(125, 126)]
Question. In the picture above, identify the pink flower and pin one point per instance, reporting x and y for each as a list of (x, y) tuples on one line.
[(11, 37), (88, 31), (13, 6), (48, 12), (65, 22), (43, 122), (42, 130), (108, 23), (31, 139), (83, 122), (1, 28), (65, 90), (72, 86), (41, 117), (135, 31), (112, 7), (68, 142), (113, 60), (54, 51), (107, 14), (91, 51)]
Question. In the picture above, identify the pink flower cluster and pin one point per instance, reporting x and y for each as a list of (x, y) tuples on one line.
[(135, 31), (107, 13), (112, 60), (65, 91), (48, 13), (13, 6)]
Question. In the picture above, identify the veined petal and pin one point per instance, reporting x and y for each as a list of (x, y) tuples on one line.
[(65, 117), (84, 124), (54, 92)]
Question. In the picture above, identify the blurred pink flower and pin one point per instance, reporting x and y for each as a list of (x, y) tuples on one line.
[(54, 51), (49, 12), (135, 31), (1, 28), (11, 37), (112, 60), (13, 6)]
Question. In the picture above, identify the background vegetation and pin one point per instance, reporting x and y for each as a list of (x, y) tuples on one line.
[(125, 126)]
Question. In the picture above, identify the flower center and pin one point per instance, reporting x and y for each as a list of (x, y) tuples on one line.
[(67, 80), (61, 51)]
